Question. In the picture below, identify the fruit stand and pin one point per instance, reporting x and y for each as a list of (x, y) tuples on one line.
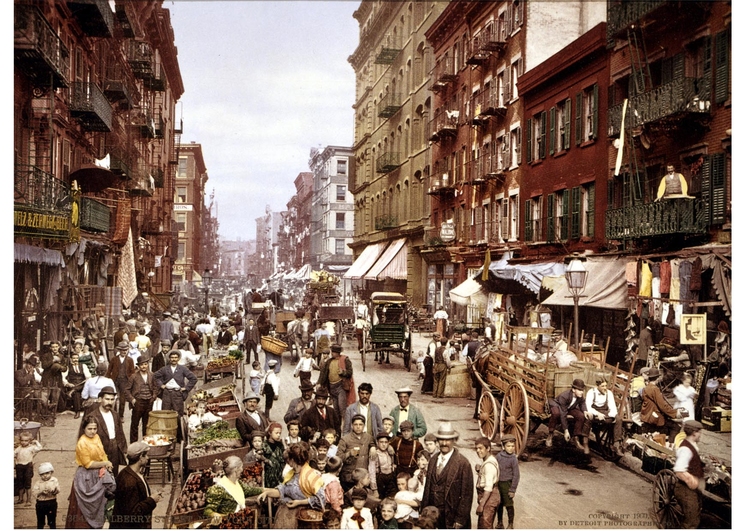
[(222, 363)]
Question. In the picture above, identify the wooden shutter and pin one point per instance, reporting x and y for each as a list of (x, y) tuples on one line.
[(718, 189), (575, 213), (550, 217), (579, 118), (590, 210), (528, 140), (505, 227), (721, 85), (595, 111), (564, 213), (527, 228), (552, 131), (566, 125), (543, 135)]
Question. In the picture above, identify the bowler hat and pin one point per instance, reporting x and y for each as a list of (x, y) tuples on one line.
[(578, 384), (307, 386), (107, 390), (123, 345), (336, 348), (445, 431), (144, 358), (321, 392)]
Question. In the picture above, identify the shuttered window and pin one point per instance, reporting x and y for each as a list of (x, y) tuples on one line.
[(579, 118), (721, 87)]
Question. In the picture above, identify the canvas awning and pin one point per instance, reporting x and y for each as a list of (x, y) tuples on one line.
[(605, 287), (519, 278), (365, 260), (392, 263), (303, 273), (468, 292)]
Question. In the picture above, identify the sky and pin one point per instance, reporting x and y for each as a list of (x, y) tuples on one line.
[(265, 81)]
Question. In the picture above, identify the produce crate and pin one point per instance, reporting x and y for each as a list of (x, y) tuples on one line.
[(205, 461), (186, 518), (228, 411)]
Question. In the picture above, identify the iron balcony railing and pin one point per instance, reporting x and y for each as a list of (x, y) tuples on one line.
[(486, 103), (444, 124), (490, 39), (95, 17), (389, 105), (141, 59), (143, 119), (390, 47), (441, 179), (95, 216), (39, 52), (622, 15), (682, 95), (38, 189), (387, 162), (669, 216), (90, 106), (120, 161), (443, 73)]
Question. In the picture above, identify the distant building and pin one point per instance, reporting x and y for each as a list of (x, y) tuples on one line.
[(294, 235)]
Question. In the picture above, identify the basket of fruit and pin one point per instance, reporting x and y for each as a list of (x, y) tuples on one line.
[(273, 345)]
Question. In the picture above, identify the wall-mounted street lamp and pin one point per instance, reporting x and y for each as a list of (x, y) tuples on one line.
[(576, 276)]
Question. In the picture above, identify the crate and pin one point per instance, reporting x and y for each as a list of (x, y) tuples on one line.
[(205, 461), (717, 419)]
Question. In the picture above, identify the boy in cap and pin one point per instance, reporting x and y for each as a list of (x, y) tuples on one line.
[(270, 386), (45, 490), (406, 449), (358, 516), (571, 402), (353, 450), (509, 476), (382, 467)]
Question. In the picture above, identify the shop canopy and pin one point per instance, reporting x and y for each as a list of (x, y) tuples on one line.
[(606, 286), (303, 273), (469, 292), (365, 261), (518, 278), (392, 263)]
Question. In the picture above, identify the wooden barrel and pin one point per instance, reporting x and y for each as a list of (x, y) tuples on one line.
[(587, 369), (162, 422), (564, 379)]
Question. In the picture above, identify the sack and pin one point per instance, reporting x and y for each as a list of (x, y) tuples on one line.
[(157, 405), (346, 383)]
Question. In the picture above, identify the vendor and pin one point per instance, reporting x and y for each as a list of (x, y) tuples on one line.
[(657, 415), (228, 494)]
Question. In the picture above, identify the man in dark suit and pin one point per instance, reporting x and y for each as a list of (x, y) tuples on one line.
[(225, 336), (334, 371), (175, 381), (571, 402), (121, 368), (321, 417), (252, 340), (105, 415), (141, 392), (134, 503), (450, 482), (300, 404), (162, 358), (251, 419)]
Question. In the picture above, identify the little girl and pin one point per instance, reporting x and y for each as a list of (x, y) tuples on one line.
[(254, 377), (420, 474), (305, 367), (292, 428)]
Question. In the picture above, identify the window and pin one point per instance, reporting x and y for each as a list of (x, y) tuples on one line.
[(340, 192), (181, 194), (182, 167), (339, 246), (587, 202), (180, 250), (559, 127), (340, 220), (501, 218), (560, 209), (181, 221), (536, 137), (513, 217), (341, 167), (587, 120), (515, 146), (516, 71), (533, 220), (517, 8), (503, 85)]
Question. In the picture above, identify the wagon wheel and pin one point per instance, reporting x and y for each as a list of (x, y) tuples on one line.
[(488, 415), (514, 415), (667, 512)]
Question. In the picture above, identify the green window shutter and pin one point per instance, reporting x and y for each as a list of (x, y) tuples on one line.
[(527, 232), (528, 140), (543, 136), (575, 213), (579, 118), (590, 217), (718, 189), (552, 135), (566, 121), (721, 85), (595, 117), (550, 217), (706, 187), (564, 213)]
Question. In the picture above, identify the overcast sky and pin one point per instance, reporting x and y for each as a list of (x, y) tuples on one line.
[(265, 81)]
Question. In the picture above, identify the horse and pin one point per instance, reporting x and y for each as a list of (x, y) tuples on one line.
[(298, 336)]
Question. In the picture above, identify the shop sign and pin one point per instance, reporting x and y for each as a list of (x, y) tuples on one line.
[(52, 225), (447, 231), (183, 208)]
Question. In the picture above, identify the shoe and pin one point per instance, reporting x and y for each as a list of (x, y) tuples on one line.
[(77, 415), (548, 442), (578, 444), (585, 445)]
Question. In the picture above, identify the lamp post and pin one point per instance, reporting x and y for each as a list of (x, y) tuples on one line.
[(207, 286), (576, 276)]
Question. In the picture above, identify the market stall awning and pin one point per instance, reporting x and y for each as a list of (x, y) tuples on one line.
[(303, 273), (392, 263), (518, 278), (31, 254), (365, 260), (468, 292), (605, 287)]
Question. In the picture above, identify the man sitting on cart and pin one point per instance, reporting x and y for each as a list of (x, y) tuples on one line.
[(600, 401), (571, 402)]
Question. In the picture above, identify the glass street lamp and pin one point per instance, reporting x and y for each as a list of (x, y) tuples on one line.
[(576, 276)]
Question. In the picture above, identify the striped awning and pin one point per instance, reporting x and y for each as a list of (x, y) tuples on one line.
[(365, 261), (392, 263)]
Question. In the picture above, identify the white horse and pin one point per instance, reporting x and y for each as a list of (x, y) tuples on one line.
[(298, 336)]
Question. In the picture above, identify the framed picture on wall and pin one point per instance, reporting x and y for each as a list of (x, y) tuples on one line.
[(693, 329)]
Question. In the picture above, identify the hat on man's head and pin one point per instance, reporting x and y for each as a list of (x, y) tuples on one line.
[(382, 435), (257, 433), (359, 494), (388, 417), (123, 345), (167, 314), (578, 384), (32, 360), (46, 467), (507, 438), (137, 449), (723, 327), (337, 348), (144, 358), (693, 424), (166, 343), (272, 363), (306, 386), (107, 390), (652, 373), (359, 416), (445, 431), (406, 390), (321, 392), (406, 425), (251, 395)]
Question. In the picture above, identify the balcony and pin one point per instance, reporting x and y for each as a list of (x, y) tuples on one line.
[(95, 216), (387, 162), (443, 74), (94, 16), (389, 49), (444, 125), (90, 106), (38, 51), (662, 218), (665, 106), (621, 15), (386, 222), (126, 16), (441, 182), (157, 81), (141, 59), (118, 89), (152, 226), (159, 126), (432, 237), (487, 232), (143, 120), (158, 175), (483, 169), (389, 105), (39, 190), (486, 104), (489, 40), (120, 162), (143, 186)]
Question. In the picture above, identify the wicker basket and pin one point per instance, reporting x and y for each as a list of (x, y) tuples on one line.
[(272, 345)]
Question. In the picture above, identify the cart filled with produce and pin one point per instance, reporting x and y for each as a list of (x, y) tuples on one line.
[(223, 363), (208, 443)]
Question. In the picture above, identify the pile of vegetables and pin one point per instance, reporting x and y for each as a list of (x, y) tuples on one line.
[(244, 519), (193, 495), (215, 438), (224, 363)]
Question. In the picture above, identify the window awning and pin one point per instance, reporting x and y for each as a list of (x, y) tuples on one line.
[(518, 278), (37, 255), (468, 292), (392, 264), (365, 260), (606, 286)]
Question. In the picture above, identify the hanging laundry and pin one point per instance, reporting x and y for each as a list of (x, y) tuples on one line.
[(674, 285), (646, 277), (686, 271), (665, 275), (631, 278), (665, 309), (695, 277)]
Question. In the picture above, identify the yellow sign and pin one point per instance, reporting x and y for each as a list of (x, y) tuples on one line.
[(41, 224)]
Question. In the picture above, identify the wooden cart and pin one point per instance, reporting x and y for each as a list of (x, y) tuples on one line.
[(389, 330)]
